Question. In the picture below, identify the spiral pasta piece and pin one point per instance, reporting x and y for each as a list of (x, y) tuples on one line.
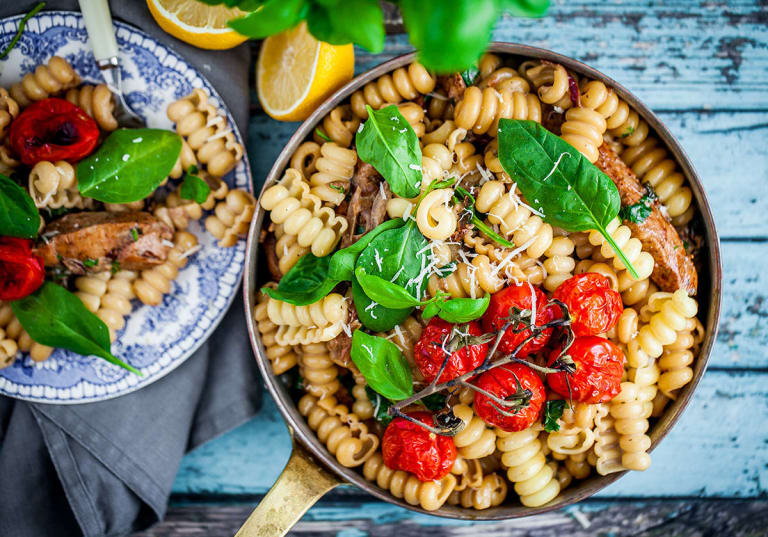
[(606, 453), (335, 167), (54, 185), (282, 357), (429, 495), (471, 280), (559, 264), (362, 406), (675, 362), (653, 166), (178, 213), (405, 83), (480, 110), (231, 217), (8, 346), (521, 453), (152, 284), (551, 81), (320, 374), (9, 109), (583, 129), (575, 435), (342, 432), (287, 249), (434, 217), (304, 159), (46, 81), (475, 440), (207, 132), (491, 492), (340, 125), (469, 474), (404, 336), (673, 312), (97, 101), (315, 323)]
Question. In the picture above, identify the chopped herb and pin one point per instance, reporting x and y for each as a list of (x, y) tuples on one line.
[(686, 245), (446, 270), (322, 135), (380, 406), (338, 188), (552, 412), (676, 247), (630, 130), (22, 25), (299, 384), (639, 211), (134, 234), (90, 262), (485, 229), (115, 267), (470, 75), (193, 169)]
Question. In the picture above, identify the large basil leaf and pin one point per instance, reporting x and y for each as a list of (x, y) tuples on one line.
[(55, 317), (312, 277), (558, 180), (271, 17), (463, 310), (388, 143), (359, 21), (18, 214), (383, 365), (396, 255), (129, 165), (450, 36)]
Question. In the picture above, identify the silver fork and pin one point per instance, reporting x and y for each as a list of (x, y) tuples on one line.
[(101, 33)]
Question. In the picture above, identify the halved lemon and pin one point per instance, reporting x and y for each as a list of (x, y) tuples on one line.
[(196, 23), (296, 72)]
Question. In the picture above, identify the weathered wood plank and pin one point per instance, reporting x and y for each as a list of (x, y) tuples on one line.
[(714, 428), (674, 55), (687, 518)]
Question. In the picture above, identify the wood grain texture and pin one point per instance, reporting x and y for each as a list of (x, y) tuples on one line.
[(690, 518)]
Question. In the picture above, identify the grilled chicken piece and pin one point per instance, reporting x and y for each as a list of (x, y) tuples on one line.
[(674, 268), (94, 241), (367, 206)]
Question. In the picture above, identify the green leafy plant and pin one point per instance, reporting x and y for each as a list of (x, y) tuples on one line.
[(383, 365), (129, 165), (463, 194), (18, 214), (388, 143), (557, 180), (55, 317), (193, 187), (638, 212), (553, 411), (450, 36)]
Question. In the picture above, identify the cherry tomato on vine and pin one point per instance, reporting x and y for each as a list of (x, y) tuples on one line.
[(599, 366), (520, 297), (517, 384), (21, 271), (594, 306), (461, 341), (409, 447), (53, 129)]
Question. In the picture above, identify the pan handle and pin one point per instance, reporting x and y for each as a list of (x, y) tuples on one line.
[(301, 484)]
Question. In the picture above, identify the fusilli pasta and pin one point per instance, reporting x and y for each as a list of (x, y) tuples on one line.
[(320, 374), (54, 185), (152, 284), (335, 167), (282, 357), (231, 217), (318, 322), (404, 83), (535, 481), (46, 81), (475, 440), (97, 101)]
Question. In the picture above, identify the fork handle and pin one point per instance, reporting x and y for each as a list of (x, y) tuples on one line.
[(98, 23)]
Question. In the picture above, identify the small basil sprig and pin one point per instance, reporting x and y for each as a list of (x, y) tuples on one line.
[(267, 18), (312, 277), (388, 143), (55, 317), (553, 411), (485, 229), (18, 214), (461, 310), (383, 365), (559, 181), (193, 187), (129, 165), (359, 21)]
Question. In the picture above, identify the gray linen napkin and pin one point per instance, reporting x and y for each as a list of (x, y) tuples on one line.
[(106, 469)]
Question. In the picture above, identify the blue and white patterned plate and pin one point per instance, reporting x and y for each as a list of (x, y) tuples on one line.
[(155, 340)]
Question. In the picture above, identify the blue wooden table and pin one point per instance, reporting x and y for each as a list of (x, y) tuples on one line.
[(703, 66)]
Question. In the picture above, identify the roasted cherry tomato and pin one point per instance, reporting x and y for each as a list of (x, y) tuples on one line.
[(594, 306), (440, 336), (53, 129), (502, 305), (407, 446), (599, 366), (517, 384), (21, 271)]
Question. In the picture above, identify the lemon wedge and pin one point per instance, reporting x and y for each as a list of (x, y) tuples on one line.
[(196, 23)]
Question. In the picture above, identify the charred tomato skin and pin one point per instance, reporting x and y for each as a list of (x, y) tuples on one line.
[(599, 368), (502, 382), (518, 296), (411, 448), (594, 307), (21, 271), (53, 129), (429, 355)]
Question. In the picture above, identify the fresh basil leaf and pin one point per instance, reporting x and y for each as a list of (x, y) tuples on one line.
[(558, 180), (434, 402), (553, 411), (386, 293), (380, 406), (397, 255), (312, 278), (55, 317), (18, 215), (388, 143), (450, 36), (463, 310), (383, 365), (430, 310), (129, 165), (359, 21), (194, 188), (485, 229), (446, 270), (637, 212), (525, 8), (470, 75), (271, 17)]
